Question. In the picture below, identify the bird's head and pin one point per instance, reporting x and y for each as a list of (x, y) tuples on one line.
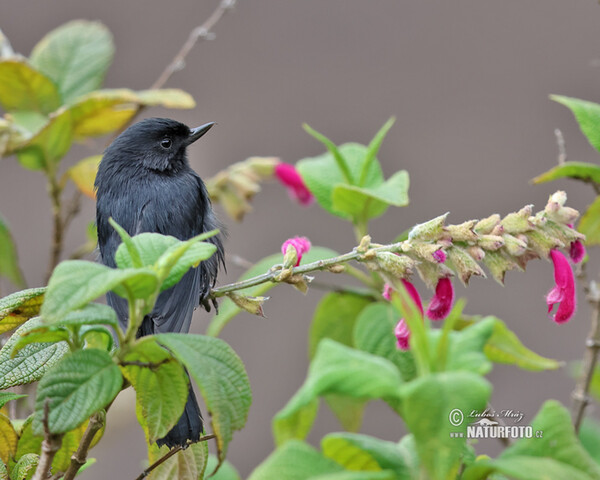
[(155, 143)]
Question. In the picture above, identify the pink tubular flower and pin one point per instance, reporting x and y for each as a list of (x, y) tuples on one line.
[(402, 335), (563, 292), (401, 331), (301, 244), (291, 179), (441, 303)]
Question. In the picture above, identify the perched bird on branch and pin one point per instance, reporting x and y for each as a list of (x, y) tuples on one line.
[(145, 184)]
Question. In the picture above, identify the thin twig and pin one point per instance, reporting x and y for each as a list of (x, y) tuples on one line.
[(50, 446), (560, 142), (168, 455), (202, 32), (79, 458), (580, 395)]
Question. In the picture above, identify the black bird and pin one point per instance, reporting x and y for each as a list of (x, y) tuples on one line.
[(145, 184)]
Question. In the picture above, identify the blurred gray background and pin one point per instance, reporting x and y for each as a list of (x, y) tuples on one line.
[(469, 83)]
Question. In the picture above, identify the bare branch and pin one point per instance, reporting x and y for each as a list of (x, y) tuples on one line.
[(168, 455), (50, 446), (79, 458)]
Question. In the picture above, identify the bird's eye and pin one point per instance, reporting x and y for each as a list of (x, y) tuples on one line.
[(165, 143)]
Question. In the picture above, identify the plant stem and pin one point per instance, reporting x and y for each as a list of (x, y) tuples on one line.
[(50, 445), (168, 455), (79, 458), (581, 393), (271, 275), (55, 191)]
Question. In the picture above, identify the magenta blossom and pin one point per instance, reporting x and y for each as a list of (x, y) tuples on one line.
[(301, 244), (402, 335), (439, 256), (291, 179), (441, 303), (563, 292), (401, 331), (576, 249)]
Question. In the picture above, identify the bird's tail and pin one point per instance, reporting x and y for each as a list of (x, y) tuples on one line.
[(188, 428)]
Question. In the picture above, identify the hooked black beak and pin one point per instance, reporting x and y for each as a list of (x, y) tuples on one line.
[(196, 133)]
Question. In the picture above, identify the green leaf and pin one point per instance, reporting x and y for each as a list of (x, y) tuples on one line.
[(42, 336), (374, 333), (334, 318), (105, 111), (577, 170), (589, 224), (371, 202), (170, 257), (587, 115), (558, 441), (6, 397), (322, 174), (31, 362), (46, 147), (295, 460), (297, 425), (362, 452), (523, 468), (90, 314), (25, 467), (226, 472), (9, 263), (221, 378), (228, 309), (340, 161), (22, 87), (83, 174), (188, 464), (373, 149), (349, 411), (75, 283), (76, 56), (17, 308), (161, 387), (380, 475), (345, 371), (505, 347), (3, 471), (80, 384), (465, 351), (589, 436), (426, 404), (8, 439)]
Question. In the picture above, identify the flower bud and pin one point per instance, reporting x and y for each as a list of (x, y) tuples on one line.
[(365, 243), (515, 246), (490, 242), (337, 268), (463, 232), (300, 282), (252, 305), (263, 166), (542, 244), (518, 222), (430, 273), (399, 266), (428, 231), (477, 253), (430, 252), (464, 264), (498, 264), (486, 225)]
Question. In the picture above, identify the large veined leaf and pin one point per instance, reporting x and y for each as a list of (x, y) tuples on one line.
[(75, 283), (22, 87), (8, 439), (161, 387), (83, 174), (188, 464), (80, 384), (29, 363), (19, 307), (76, 56), (221, 378)]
